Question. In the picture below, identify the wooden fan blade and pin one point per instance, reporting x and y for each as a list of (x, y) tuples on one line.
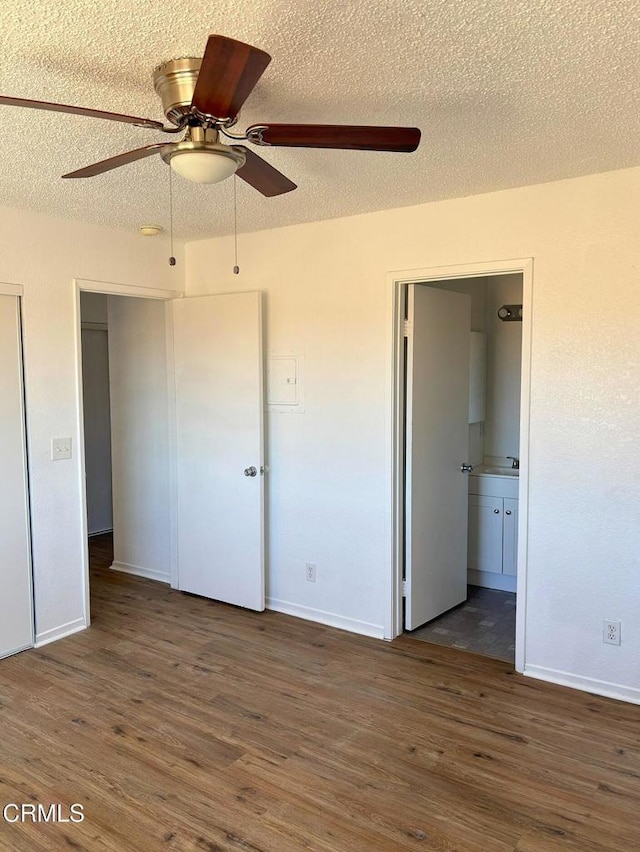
[(119, 160), (262, 176), (230, 69), (91, 113), (355, 137)]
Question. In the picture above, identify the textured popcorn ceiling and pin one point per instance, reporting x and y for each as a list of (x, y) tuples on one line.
[(506, 94)]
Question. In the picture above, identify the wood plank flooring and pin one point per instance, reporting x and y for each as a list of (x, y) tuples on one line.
[(183, 724)]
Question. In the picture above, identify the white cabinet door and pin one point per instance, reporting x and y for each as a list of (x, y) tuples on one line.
[(437, 440), (219, 435), (510, 537), (485, 533), (16, 607)]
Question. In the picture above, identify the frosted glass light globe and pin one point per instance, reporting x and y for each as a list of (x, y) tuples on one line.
[(203, 166)]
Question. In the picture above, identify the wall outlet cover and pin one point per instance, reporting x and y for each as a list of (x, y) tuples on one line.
[(611, 632)]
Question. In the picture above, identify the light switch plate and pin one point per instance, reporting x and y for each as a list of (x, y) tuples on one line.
[(60, 448)]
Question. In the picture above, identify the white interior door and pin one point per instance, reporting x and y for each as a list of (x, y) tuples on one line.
[(97, 429), (16, 607), (219, 447), (437, 438)]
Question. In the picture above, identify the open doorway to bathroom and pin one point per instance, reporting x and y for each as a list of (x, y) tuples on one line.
[(461, 448)]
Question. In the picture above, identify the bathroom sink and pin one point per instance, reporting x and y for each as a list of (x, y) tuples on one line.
[(499, 471)]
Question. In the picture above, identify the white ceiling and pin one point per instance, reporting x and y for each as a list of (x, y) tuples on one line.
[(506, 94)]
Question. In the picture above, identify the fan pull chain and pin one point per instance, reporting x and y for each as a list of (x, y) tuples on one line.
[(172, 260), (236, 268)]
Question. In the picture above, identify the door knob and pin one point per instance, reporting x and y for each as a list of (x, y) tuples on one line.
[(466, 468), (508, 512), (250, 471), (496, 511)]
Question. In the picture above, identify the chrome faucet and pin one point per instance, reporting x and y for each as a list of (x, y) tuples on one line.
[(516, 462)]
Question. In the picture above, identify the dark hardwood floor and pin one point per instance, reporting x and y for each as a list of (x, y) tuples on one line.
[(183, 724)]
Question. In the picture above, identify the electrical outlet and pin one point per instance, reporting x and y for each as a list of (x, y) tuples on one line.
[(60, 448), (611, 632), (311, 572)]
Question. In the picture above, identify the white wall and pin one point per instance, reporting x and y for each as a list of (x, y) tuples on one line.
[(45, 255), (139, 436), (504, 365), (328, 492)]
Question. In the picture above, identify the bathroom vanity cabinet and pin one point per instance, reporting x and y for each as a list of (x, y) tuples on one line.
[(493, 531)]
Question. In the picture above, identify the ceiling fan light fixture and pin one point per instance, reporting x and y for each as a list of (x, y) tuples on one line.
[(150, 230), (203, 166), (203, 162)]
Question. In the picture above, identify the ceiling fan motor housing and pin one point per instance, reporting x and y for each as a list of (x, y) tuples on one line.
[(175, 82)]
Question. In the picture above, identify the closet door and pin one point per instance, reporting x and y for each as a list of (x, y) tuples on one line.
[(16, 606)]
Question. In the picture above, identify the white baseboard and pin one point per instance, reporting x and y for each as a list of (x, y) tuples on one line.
[(139, 571), (586, 684), (489, 580), (59, 632), (17, 650), (331, 619)]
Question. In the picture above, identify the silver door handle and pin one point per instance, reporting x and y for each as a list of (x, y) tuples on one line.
[(466, 468), (496, 511), (508, 512), (250, 471)]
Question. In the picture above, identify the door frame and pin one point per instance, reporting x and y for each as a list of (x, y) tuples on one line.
[(394, 419), (107, 288)]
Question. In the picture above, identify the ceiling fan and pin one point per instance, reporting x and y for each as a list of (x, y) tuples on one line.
[(201, 98)]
